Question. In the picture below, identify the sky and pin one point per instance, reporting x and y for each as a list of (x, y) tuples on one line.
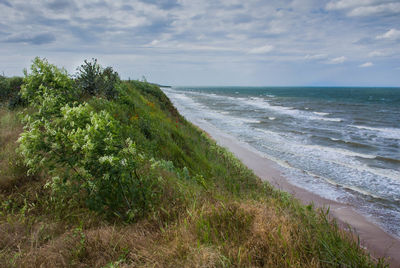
[(210, 42)]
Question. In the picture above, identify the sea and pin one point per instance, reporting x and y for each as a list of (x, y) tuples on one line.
[(342, 143)]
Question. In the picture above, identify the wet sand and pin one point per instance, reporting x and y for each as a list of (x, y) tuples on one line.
[(376, 240)]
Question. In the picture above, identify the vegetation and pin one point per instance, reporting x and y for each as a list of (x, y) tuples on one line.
[(92, 79), (9, 92), (94, 179)]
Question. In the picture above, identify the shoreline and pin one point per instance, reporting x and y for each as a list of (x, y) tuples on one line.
[(372, 237)]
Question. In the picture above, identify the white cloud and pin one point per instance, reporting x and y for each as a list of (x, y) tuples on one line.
[(344, 4), (337, 60), (392, 34), (376, 53), (367, 64), (315, 56), (261, 50), (371, 10), (358, 8)]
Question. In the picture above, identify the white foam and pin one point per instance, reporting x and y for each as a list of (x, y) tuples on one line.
[(361, 191), (341, 158), (321, 113), (340, 151), (338, 156), (271, 118), (263, 104), (246, 120), (350, 187), (328, 119), (390, 133)]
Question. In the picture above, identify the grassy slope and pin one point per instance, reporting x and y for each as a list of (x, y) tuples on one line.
[(213, 210)]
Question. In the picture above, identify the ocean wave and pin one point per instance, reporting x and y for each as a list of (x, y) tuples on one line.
[(321, 113), (392, 175), (337, 156), (388, 159), (263, 104), (390, 133), (247, 120), (349, 187), (354, 144), (287, 110), (360, 191), (286, 164), (341, 141), (328, 119), (340, 151)]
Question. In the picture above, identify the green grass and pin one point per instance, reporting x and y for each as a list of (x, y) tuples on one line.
[(206, 208)]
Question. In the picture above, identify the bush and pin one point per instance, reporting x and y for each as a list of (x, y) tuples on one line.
[(47, 88), (92, 80), (84, 149), (10, 91)]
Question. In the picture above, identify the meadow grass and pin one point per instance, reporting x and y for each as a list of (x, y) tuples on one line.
[(208, 210)]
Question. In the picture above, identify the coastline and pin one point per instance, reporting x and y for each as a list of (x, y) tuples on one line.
[(372, 237)]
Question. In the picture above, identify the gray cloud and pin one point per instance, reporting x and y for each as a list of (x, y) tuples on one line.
[(5, 2), (36, 39), (60, 5), (164, 4)]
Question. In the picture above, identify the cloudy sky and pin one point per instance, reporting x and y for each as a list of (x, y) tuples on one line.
[(211, 42)]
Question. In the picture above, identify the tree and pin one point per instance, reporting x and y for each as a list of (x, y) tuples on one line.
[(92, 80)]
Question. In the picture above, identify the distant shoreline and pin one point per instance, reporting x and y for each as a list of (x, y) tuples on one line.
[(376, 240)]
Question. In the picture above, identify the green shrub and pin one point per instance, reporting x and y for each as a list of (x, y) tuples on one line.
[(85, 149), (45, 82), (93, 80), (10, 91)]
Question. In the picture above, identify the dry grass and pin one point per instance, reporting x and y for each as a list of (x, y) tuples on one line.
[(12, 171), (251, 234)]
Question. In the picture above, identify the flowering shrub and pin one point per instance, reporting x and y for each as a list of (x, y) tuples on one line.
[(45, 82), (84, 149)]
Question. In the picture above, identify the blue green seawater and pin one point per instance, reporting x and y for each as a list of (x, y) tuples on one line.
[(342, 143)]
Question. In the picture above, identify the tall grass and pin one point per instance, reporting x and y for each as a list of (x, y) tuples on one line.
[(11, 168)]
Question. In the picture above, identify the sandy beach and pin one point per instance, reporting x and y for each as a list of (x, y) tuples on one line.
[(372, 237)]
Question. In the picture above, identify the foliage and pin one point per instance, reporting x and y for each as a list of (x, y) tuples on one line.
[(109, 80), (87, 146), (10, 91), (89, 76), (47, 83), (84, 149), (92, 79)]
